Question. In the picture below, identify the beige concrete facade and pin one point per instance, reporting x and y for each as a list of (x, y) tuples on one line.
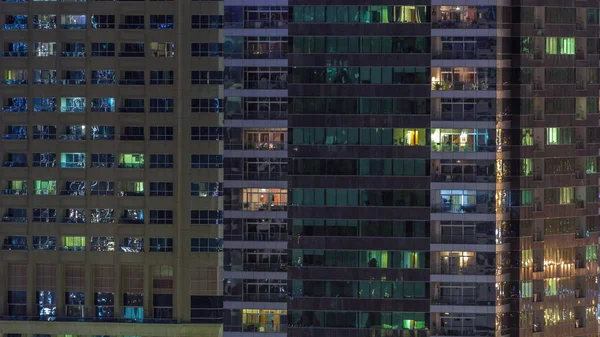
[(189, 274)]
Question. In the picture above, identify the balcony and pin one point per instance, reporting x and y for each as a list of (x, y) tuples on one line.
[(462, 331), (275, 267), (266, 237), (483, 208), (477, 238), (463, 178), (462, 300), (281, 297), (262, 24), (446, 268), (464, 55)]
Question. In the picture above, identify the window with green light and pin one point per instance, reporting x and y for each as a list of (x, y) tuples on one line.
[(73, 241), (526, 289), (526, 258), (551, 286), (526, 197), (590, 164), (591, 253), (560, 45), (131, 160), (527, 166), (44, 187)]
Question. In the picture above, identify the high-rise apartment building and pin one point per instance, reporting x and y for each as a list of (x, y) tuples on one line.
[(255, 187), (112, 168), (443, 168)]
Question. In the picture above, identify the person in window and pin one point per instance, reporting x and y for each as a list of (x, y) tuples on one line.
[(372, 262)]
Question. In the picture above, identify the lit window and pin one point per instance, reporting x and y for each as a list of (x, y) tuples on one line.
[(131, 160), (72, 160), (73, 243)]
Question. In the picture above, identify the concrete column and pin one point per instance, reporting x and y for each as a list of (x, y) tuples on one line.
[(60, 290), (118, 291)]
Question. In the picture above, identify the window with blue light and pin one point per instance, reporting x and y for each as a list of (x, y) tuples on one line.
[(46, 303), (44, 76), (161, 21), (102, 132), (14, 243), (43, 242), (73, 243), (72, 21), (15, 132), (15, 22), (103, 77), (105, 304), (44, 104), (132, 245), (102, 104), (44, 21), (132, 217), (15, 215), (44, 159), (15, 104), (133, 309), (15, 49), (15, 160), (73, 77)]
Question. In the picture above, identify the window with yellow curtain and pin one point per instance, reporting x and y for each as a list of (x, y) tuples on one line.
[(560, 45), (567, 195)]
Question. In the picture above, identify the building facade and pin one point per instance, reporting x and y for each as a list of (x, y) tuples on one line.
[(112, 171), (443, 168), (255, 229)]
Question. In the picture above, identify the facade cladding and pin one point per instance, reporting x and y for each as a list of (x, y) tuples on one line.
[(443, 168), (111, 168), (255, 188)]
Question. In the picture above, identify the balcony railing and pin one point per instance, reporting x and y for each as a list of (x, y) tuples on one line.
[(282, 297), (85, 319), (266, 237), (248, 266), (463, 178), (463, 55), (438, 147), (447, 269), (484, 208), (478, 238), (466, 300), (462, 331)]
